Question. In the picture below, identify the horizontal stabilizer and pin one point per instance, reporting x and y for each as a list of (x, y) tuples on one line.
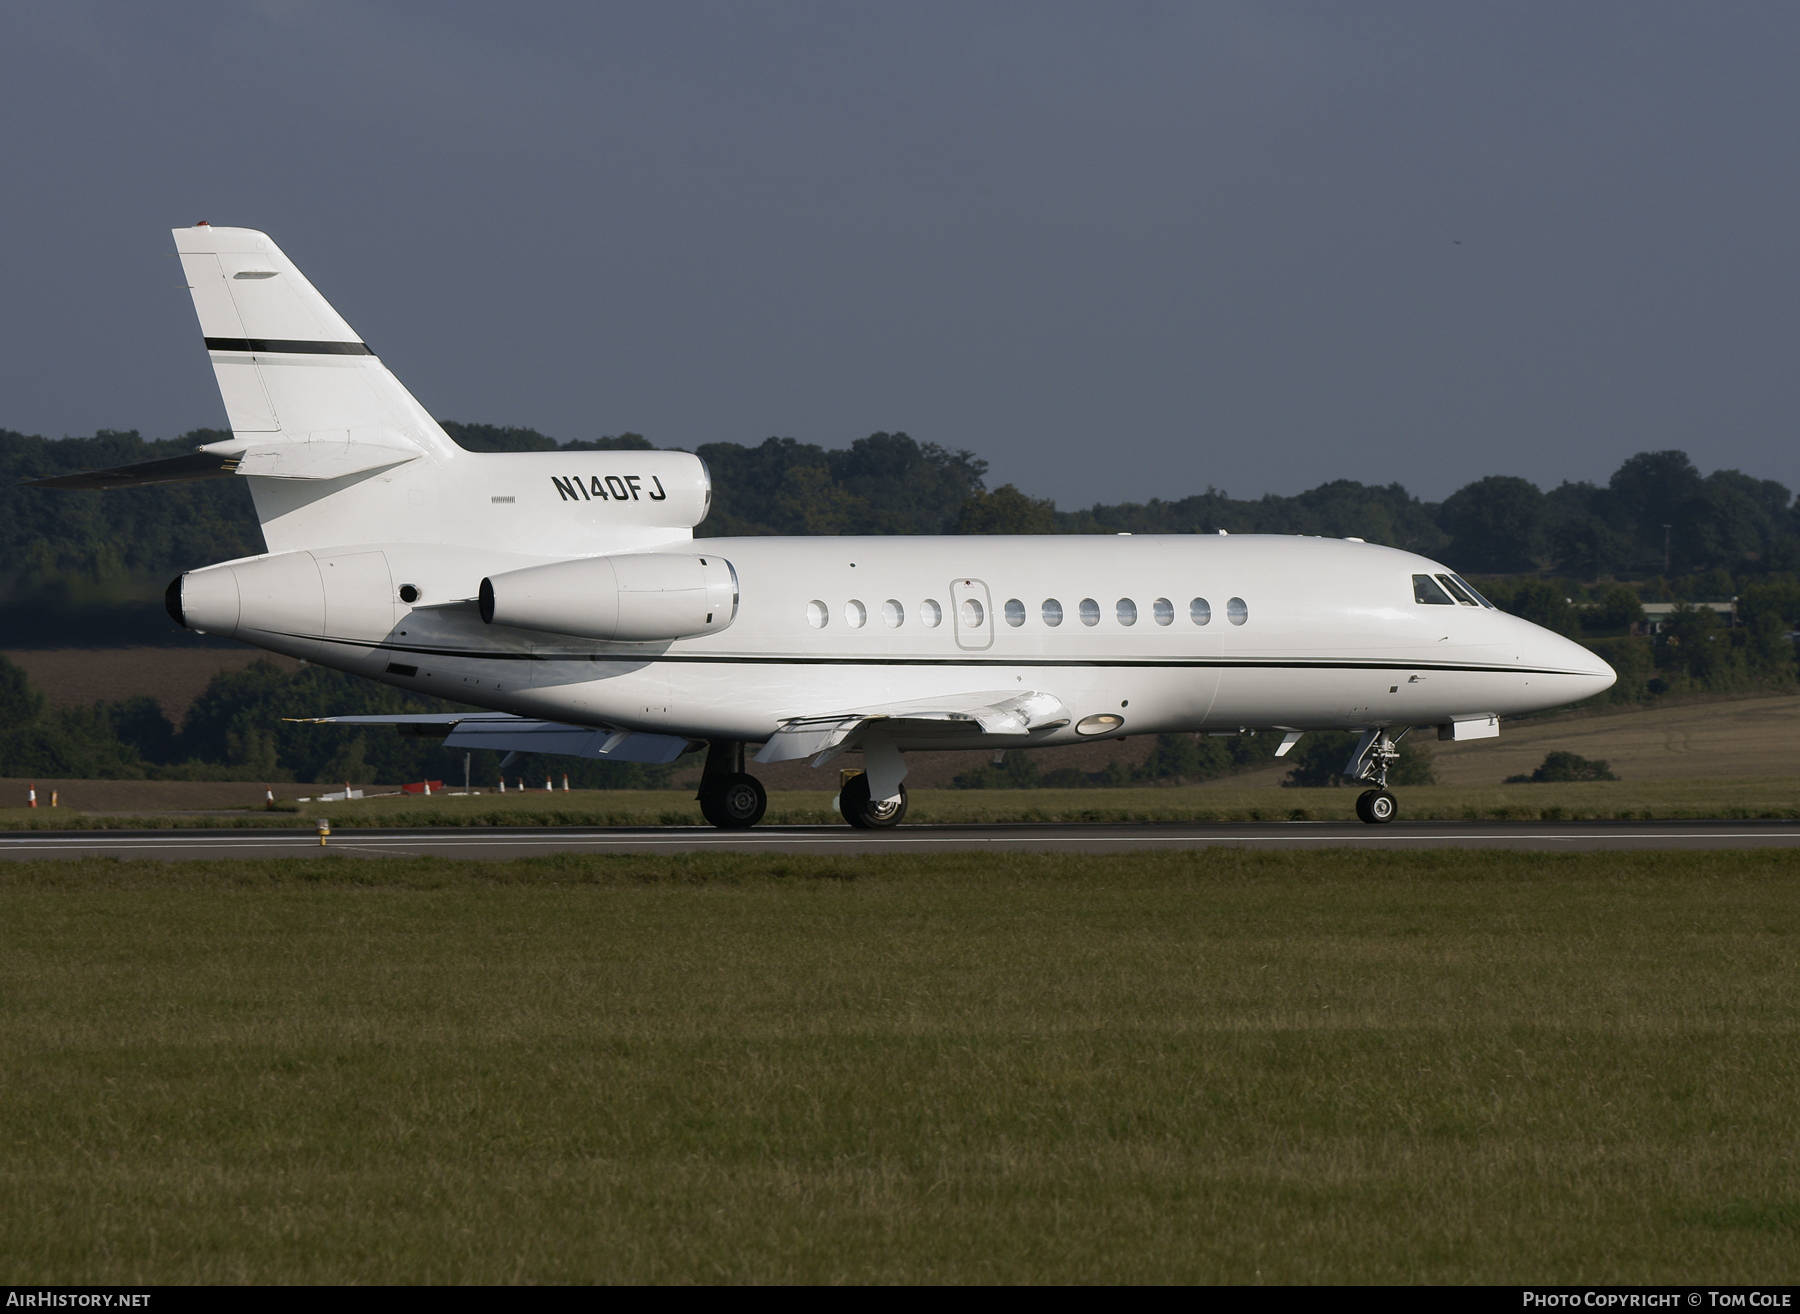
[(174, 469), (977, 714), (322, 459), (317, 458), (516, 734)]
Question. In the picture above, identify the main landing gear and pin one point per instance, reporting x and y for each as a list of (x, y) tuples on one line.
[(1376, 753), (730, 798), (866, 813)]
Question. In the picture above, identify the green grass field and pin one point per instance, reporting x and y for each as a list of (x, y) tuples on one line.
[(1215, 1066), (1743, 797)]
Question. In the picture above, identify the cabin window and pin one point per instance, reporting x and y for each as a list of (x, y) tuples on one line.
[(1470, 589), (816, 614), (1456, 590), (1051, 612), (893, 615), (1126, 610), (1164, 611), (1090, 612), (1015, 612), (930, 613), (1236, 612), (973, 614), (855, 614), (1200, 611), (1426, 590)]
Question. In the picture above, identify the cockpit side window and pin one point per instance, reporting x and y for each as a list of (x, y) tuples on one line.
[(1457, 591), (1470, 589), (1425, 589)]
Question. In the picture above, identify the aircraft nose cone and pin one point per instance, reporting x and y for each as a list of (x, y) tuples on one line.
[(1573, 671)]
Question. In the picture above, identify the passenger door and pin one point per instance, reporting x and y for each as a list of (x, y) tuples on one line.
[(971, 615)]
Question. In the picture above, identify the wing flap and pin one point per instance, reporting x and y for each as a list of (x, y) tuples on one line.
[(506, 733), (1003, 713)]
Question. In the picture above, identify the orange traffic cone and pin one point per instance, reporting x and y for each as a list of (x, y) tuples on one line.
[(565, 782), (32, 795), (270, 793), (427, 790)]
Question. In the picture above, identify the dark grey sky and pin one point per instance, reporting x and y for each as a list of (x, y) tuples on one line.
[(1120, 250)]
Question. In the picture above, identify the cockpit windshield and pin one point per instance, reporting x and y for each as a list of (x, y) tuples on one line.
[(1457, 591), (1425, 589), (1470, 590)]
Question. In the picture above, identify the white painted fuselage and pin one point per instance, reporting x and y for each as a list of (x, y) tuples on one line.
[(1329, 635)]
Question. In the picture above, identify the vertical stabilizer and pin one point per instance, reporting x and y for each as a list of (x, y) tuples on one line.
[(337, 453), (289, 368)]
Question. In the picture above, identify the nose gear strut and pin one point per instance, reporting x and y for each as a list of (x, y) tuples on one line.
[(1376, 754)]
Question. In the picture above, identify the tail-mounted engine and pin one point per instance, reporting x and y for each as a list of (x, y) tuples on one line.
[(632, 598)]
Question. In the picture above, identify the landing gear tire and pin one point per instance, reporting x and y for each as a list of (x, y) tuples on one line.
[(736, 802), (1376, 807), (863, 812)]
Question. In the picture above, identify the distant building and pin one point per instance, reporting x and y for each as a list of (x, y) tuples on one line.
[(1656, 614)]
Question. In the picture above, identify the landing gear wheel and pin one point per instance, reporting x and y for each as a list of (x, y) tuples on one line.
[(737, 802), (864, 813), (1377, 807)]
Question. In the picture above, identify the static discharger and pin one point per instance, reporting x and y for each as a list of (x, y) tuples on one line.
[(324, 831)]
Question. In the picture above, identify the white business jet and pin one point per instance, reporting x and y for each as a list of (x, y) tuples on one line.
[(566, 592)]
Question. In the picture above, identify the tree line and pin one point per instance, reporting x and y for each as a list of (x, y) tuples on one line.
[(1657, 521)]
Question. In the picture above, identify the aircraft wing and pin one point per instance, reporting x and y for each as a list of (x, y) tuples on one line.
[(516, 734), (1003, 713)]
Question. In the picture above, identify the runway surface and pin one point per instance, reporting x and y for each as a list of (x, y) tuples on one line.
[(497, 842)]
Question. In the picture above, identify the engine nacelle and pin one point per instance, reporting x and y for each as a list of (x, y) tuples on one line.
[(631, 598)]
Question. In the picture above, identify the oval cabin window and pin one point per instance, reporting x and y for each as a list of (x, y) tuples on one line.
[(1090, 612), (816, 615), (930, 613), (1200, 611), (893, 615), (1164, 611), (855, 614), (1051, 611), (1015, 612), (1126, 610), (1236, 612)]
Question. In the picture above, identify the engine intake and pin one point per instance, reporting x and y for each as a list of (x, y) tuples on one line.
[(632, 598)]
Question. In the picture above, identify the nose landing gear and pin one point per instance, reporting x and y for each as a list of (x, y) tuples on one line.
[(730, 798), (1376, 753), (1376, 806)]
